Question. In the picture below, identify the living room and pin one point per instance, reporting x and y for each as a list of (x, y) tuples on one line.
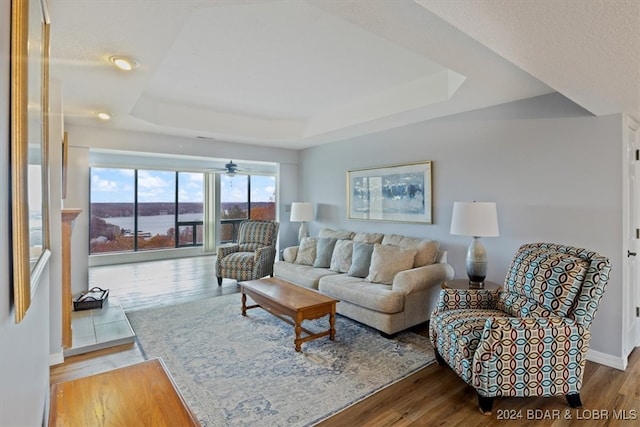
[(552, 166)]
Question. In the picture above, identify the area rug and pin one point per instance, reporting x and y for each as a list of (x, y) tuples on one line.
[(244, 371)]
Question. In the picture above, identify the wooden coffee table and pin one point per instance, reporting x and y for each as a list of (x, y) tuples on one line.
[(282, 298)]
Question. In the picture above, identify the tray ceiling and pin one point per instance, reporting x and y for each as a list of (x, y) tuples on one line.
[(287, 73)]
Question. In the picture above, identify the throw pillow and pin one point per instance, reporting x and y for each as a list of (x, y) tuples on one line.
[(361, 259), (387, 260), (341, 257), (324, 251), (427, 249), (307, 251)]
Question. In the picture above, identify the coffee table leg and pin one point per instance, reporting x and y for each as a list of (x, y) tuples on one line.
[(332, 326), (298, 341), (244, 304)]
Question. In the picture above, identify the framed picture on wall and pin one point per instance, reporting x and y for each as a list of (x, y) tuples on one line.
[(399, 193)]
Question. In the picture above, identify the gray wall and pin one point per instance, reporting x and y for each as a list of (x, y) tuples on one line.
[(24, 347), (553, 169)]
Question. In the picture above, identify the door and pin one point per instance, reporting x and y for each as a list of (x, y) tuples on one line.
[(631, 279)]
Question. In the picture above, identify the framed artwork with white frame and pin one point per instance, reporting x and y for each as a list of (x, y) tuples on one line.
[(400, 193)]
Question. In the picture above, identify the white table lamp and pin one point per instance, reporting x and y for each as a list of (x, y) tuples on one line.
[(301, 212), (477, 219)]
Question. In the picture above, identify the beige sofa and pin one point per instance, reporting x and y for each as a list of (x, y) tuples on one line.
[(389, 282)]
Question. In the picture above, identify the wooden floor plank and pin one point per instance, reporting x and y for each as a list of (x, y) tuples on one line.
[(143, 394), (433, 396)]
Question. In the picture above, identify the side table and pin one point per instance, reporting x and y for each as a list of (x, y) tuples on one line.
[(464, 284)]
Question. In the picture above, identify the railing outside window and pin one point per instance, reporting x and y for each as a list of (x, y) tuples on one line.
[(229, 230), (190, 233)]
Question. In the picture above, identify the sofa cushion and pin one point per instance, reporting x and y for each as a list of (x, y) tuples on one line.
[(307, 251), (324, 250), (387, 260), (368, 237), (341, 257), (337, 234), (374, 296), (427, 250), (302, 275), (361, 259)]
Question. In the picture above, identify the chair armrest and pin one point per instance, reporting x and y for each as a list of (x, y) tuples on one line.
[(290, 253), (421, 278), (224, 250), (263, 252), (456, 299), (263, 261)]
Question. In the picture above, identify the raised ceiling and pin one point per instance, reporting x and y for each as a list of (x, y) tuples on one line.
[(294, 73)]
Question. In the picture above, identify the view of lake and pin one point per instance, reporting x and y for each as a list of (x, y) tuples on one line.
[(154, 224)]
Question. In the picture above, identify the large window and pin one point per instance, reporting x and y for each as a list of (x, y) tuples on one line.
[(136, 209), (245, 197), (156, 213), (190, 203), (112, 210)]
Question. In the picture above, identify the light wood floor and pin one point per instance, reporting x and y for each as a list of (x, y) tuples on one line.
[(150, 284), (431, 397)]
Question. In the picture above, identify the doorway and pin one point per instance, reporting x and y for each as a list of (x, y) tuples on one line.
[(631, 221)]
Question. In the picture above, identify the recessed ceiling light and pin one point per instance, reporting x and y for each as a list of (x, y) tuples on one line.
[(124, 63), (103, 116)]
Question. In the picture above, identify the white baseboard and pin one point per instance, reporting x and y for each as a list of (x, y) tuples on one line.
[(607, 359), (56, 359)]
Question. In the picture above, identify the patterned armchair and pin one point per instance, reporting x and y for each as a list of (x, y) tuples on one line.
[(254, 254), (530, 338)]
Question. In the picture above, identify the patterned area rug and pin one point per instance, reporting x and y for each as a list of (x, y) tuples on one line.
[(244, 371)]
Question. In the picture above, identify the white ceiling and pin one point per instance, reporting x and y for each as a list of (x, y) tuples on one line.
[(294, 73)]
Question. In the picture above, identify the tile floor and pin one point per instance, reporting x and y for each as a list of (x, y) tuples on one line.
[(99, 328)]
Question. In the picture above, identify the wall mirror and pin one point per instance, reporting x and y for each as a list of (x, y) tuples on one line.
[(29, 148)]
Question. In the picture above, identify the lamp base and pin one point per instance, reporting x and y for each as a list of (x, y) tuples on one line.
[(303, 232), (476, 282), (476, 264)]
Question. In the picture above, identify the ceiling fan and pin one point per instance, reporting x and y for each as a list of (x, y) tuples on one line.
[(230, 169)]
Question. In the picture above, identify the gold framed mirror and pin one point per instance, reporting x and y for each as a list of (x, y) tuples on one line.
[(29, 148)]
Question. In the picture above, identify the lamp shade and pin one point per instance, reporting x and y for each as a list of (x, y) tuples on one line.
[(301, 212), (478, 219)]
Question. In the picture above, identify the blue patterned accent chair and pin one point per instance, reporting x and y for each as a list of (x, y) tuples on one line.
[(254, 254), (529, 338)]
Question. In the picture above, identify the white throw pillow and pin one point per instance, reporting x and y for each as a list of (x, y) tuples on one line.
[(387, 260), (341, 257), (307, 251), (427, 249)]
